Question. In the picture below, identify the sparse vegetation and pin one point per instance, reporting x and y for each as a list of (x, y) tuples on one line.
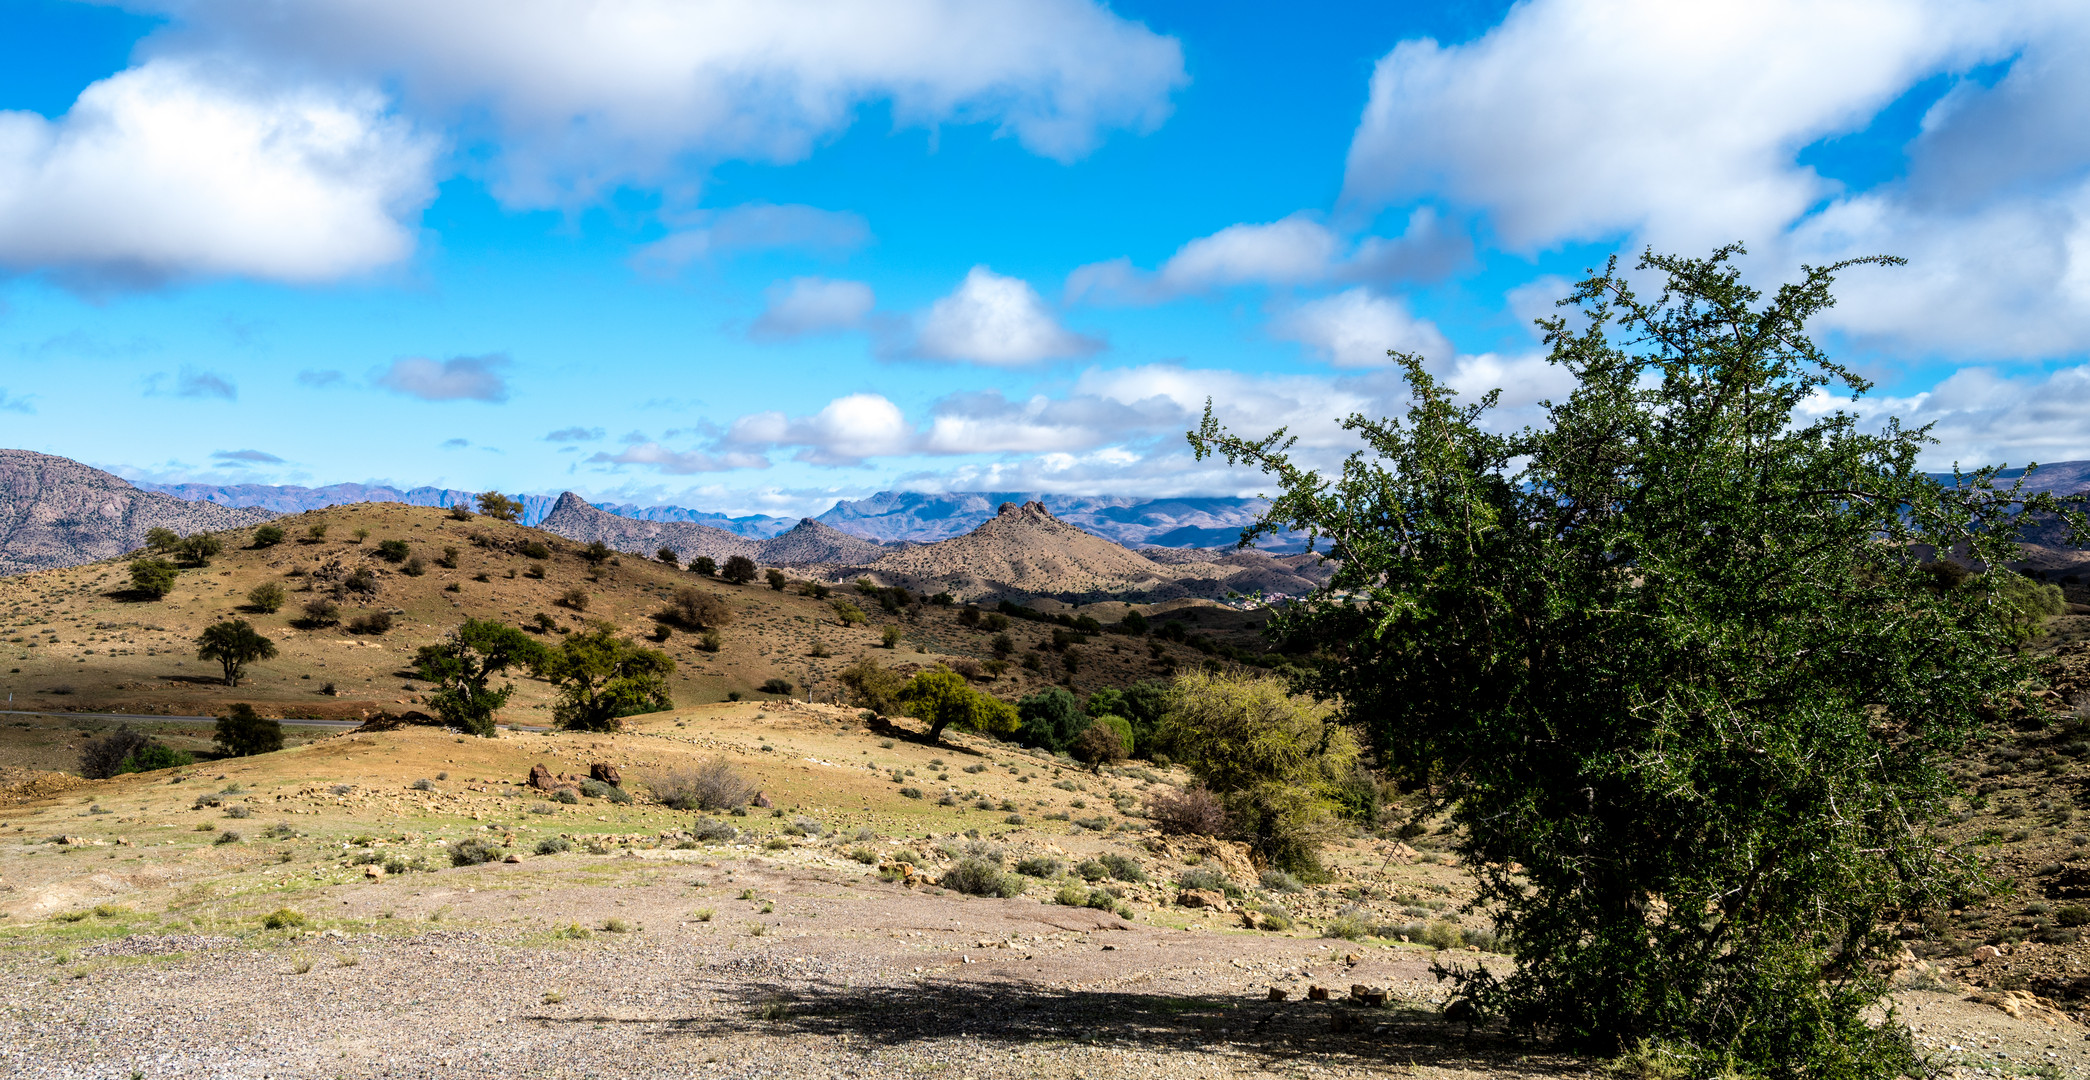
[(714, 786), (267, 597), (233, 644), (603, 678), (739, 570), (463, 667)]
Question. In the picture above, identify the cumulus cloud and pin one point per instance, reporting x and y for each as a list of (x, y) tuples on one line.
[(1580, 120), (460, 378), (987, 422), (574, 434), (1356, 327), (847, 431), (1981, 415), (584, 97), (998, 321), (812, 305), (1295, 250), (247, 457), (174, 169), (757, 227)]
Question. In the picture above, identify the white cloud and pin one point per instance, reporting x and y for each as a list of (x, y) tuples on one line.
[(847, 431), (1982, 416), (680, 462), (175, 169), (812, 305), (998, 321), (1581, 119), (756, 227), (1295, 250), (1356, 327), (460, 378), (988, 423), (585, 97)]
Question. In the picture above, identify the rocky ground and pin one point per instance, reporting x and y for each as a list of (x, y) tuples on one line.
[(334, 936)]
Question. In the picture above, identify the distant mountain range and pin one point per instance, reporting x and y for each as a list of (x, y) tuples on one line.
[(888, 516), (55, 511)]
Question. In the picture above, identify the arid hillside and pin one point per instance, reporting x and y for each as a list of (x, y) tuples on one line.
[(55, 511), (77, 638)]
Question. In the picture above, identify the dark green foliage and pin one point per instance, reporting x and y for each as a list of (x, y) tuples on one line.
[(596, 553), (534, 549), (153, 577), (240, 733), (553, 845), (776, 579), (153, 756), (873, 687), (603, 678), (374, 623), (775, 686), (1673, 654), (739, 570), (234, 644), (1145, 704), (320, 611), (1122, 867), (393, 550), (1051, 719), (695, 609), (668, 556), (463, 666), (1133, 623), (268, 536), (705, 565), (267, 597), (1039, 866), (161, 539)]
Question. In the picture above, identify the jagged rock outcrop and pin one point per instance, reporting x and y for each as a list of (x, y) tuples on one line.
[(810, 542), (577, 519), (56, 512)]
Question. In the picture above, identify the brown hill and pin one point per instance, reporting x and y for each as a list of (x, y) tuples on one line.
[(1024, 550), (57, 512), (810, 542), (576, 519)]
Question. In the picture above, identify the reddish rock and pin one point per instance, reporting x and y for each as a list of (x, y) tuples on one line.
[(1276, 994), (1201, 898), (541, 778), (606, 773), (1316, 993), (762, 800)]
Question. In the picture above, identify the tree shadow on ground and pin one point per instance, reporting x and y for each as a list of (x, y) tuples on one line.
[(1275, 1033)]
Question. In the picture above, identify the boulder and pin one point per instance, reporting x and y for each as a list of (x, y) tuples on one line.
[(1201, 898), (373, 871), (1986, 953), (606, 773), (1252, 919), (1369, 995), (542, 779), (762, 800), (1277, 994), (1316, 993)]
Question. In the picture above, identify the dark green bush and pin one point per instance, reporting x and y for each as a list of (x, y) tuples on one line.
[(978, 877), (471, 851), (393, 550)]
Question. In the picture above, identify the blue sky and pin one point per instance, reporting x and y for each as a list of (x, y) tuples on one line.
[(758, 256)]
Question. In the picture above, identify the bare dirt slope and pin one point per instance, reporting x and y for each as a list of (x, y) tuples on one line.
[(1024, 549), (57, 512)]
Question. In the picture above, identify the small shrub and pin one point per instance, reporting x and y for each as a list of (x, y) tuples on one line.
[(321, 612), (372, 623), (864, 855), (554, 845), (414, 567), (1207, 879), (1279, 881), (267, 597), (715, 785), (1039, 866), (284, 919), (208, 798), (1091, 870), (1013, 819), (268, 536), (978, 877), (472, 851), (1071, 895), (714, 831), (575, 598), (566, 797), (1190, 812), (534, 571), (775, 686), (703, 914), (534, 549), (2072, 915), (1345, 926), (393, 550), (910, 793), (423, 784), (238, 810), (618, 926), (1122, 867)]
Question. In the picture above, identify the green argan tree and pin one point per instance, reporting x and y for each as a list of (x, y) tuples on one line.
[(234, 644), (603, 678), (463, 666), (1673, 664)]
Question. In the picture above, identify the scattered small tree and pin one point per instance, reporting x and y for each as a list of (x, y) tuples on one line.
[(234, 644), (161, 539), (596, 553), (241, 733), (462, 668), (268, 536), (374, 623), (267, 597), (776, 578), (575, 598), (393, 550), (943, 698), (500, 507), (668, 556), (1003, 646), (198, 549), (1051, 719), (1133, 623), (705, 565), (695, 609), (459, 511), (103, 758), (316, 531), (873, 687), (848, 614), (320, 611), (714, 785), (153, 577), (890, 635), (775, 686), (739, 570), (603, 678)]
